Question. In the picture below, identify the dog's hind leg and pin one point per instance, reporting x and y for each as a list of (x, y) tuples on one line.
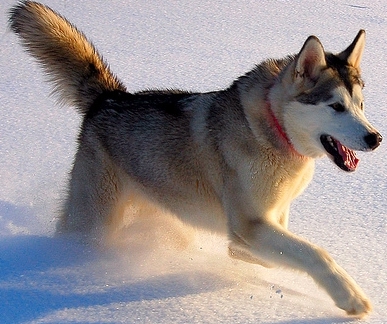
[(96, 198), (276, 245)]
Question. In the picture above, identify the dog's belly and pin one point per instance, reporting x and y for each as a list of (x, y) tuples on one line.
[(200, 213), (187, 202)]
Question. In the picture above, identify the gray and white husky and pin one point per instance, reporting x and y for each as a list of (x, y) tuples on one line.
[(230, 161)]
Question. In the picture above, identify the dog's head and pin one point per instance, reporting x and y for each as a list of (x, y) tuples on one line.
[(325, 113)]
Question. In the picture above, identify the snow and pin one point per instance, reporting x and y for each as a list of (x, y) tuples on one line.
[(154, 276)]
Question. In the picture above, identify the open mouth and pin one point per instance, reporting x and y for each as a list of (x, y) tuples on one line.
[(343, 157)]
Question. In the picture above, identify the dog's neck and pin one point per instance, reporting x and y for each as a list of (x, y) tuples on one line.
[(278, 128)]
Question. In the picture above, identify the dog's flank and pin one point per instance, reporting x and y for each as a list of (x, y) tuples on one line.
[(230, 161)]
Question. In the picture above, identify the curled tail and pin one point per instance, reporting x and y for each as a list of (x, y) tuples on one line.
[(78, 73)]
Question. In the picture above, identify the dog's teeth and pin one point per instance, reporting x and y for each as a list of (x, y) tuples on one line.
[(330, 141)]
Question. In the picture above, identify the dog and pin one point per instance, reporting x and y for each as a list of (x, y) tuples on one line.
[(230, 161)]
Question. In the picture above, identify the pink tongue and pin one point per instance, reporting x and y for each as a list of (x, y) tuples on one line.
[(349, 156)]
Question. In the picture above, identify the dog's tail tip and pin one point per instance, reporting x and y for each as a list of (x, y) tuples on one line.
[(74, 67)]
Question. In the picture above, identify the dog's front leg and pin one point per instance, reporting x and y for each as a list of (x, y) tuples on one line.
[(276, 245)]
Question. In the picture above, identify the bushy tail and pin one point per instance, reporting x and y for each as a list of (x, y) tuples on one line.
[(78, 73)]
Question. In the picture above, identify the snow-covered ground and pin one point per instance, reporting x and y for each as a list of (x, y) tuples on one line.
[(195, 45)]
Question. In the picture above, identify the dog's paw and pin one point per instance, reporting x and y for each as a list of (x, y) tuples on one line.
[(358, 307), (345, 292), (354, 301)]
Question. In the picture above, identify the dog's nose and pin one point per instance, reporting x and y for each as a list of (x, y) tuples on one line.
[(373, 140)]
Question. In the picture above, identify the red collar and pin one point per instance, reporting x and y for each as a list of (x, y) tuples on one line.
[(278, 128)]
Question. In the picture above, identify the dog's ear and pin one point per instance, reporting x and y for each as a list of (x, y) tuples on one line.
[(310, 60), (354, 52)]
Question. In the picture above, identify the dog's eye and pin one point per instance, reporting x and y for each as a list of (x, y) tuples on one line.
[(337, 107), (362, 105)]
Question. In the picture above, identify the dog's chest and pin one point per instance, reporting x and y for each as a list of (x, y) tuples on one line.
[(274, 183)]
